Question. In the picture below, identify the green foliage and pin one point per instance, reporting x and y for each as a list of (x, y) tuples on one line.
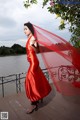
[(27, 3), (69, 14), (45, 2), (14, 50), (18, 49)]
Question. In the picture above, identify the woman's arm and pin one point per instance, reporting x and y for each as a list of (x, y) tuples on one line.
[(34, 44), (33, 41)]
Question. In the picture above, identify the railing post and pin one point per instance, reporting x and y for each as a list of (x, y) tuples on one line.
[(19, 84), (2, 87), (47, 75), (16, 84)]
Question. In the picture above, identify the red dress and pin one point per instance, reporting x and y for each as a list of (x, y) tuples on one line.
[(36, 85)]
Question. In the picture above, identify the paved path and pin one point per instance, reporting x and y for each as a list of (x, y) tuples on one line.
[(54, 107)]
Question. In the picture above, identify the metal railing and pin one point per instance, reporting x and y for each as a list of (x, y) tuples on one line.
[(62, 72), (17, 79)]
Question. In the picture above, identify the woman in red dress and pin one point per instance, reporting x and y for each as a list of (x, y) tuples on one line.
[(36, 85)]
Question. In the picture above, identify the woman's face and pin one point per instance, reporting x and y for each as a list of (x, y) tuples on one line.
[(27, 31)]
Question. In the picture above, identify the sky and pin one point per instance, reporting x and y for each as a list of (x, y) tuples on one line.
[(13, 15)]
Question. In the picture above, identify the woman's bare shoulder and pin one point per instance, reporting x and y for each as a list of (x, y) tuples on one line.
[(33, 38)]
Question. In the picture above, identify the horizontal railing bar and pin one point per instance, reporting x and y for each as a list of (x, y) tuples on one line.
[(8, 81), (11, 81), (25, 72), (11, 75)]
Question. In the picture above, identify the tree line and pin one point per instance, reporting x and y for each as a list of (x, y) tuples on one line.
[(16, 49)]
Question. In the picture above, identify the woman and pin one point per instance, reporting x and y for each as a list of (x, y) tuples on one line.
[(36, 85)]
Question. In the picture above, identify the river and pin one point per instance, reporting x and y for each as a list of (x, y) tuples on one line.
[(15, 64)]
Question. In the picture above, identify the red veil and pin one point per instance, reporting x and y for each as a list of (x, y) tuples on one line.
[(62, 61)]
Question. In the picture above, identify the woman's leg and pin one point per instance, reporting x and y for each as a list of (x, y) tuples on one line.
[(34, 102)]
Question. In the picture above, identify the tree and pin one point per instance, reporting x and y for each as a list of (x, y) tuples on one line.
[(68, 11), (18, 49), (15, 49)]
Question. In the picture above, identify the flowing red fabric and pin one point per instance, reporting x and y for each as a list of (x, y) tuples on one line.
[(62, 61)]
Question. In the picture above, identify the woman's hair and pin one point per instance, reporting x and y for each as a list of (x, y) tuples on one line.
[(30, 26)]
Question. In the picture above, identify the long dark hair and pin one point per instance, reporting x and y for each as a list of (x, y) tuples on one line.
[(31, 28)]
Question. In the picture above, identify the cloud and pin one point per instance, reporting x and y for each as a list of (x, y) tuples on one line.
[(13, 15), (4, 1), (7, 22)]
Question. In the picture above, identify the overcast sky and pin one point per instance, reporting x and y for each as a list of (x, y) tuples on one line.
[(13, 15)]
